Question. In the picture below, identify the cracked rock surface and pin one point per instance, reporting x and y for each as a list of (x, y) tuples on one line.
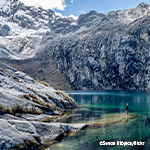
[(26, 135), (23, 101)]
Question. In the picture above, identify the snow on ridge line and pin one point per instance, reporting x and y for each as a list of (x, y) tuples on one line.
[(74, 17), (16, 30), (71, 16)]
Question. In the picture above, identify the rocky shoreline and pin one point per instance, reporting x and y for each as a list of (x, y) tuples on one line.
[(18, 134), (24, 103)]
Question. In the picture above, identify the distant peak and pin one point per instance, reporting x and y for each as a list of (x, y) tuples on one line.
[(143, 5), (93, 12), (12, 1), (7, 2)]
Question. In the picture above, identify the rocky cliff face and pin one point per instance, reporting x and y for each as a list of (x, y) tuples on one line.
[(112, 58), (95, 52)]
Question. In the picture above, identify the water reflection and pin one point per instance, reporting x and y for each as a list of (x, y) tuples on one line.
[(106, 110)]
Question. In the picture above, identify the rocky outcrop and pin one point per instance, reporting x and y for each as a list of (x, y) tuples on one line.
[(16, 134), (24, 100), (4, 31), (19, 91), (55, 131)]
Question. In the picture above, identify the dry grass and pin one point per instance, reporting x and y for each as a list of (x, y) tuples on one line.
[(29, 89), (16, 79), (52, 106), (4, 110), (33, 96), (1, 107), (17, 109), (44, 83), (35, 99), (20, 109), (65, 95), (26, 96), (32, 110)]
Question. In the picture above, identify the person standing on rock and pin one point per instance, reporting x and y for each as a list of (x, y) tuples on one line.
[(127, 109)]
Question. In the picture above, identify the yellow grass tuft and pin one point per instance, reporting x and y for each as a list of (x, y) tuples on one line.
[(44, 83), (35, 99), (65, 95), (17, 109), (26, 96)]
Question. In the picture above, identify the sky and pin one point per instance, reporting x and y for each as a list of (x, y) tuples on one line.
[(78, 7)]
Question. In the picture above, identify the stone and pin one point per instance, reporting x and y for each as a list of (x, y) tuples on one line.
[(26, 135)]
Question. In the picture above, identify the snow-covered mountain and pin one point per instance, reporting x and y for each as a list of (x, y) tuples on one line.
[(19, 24), (96, 51), (24, 20), (28, 25)]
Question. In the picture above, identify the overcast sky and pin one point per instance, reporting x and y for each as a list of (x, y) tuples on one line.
[(77, 7)]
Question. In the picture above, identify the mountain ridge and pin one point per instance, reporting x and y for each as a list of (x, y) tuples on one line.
[(97, 51)]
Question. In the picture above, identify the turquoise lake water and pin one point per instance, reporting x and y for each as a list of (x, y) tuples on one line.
[(106, 111)]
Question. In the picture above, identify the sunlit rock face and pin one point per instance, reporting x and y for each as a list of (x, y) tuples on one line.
[(32, 135), (22, 100), (94, 52), (21, 93)]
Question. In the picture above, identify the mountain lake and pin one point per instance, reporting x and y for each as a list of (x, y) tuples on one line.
[(110, 128)]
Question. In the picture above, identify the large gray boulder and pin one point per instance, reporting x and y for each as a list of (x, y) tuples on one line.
[(15, 134)]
